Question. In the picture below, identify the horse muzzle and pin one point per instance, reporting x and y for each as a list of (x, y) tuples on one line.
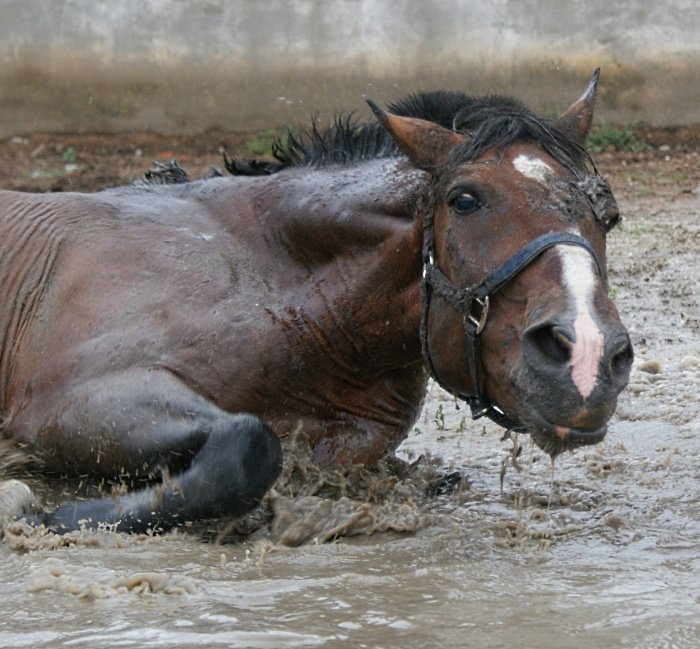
[(572, 384)]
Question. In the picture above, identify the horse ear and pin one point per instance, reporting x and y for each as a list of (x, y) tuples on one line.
[(576, 122), (425, 143)]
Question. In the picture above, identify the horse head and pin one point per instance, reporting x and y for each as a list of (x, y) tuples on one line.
[(517, 318)]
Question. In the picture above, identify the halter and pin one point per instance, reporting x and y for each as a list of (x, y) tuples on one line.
[(473, 303)]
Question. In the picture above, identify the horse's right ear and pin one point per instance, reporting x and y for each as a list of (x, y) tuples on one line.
[(425, 143), (578, 119)]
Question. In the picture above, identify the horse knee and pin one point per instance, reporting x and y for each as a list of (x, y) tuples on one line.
[(259, 452), (238, 464)]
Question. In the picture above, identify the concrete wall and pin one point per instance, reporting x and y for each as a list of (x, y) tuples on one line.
[(188, 65)]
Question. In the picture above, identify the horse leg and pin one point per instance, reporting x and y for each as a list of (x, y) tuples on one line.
[(223, 463)]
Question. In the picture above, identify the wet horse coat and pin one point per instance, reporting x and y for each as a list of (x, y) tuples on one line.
[(181, 329)]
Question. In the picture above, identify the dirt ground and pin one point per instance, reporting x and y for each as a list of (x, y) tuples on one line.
[(44, 162), (41, 162)]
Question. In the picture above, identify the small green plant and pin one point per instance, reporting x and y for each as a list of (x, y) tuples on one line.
[(638, 231), (462, 425), (261, 144), (70, 155), (611, 137), (439, 418)]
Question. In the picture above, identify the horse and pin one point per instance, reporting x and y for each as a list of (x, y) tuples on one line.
[(173, 332)]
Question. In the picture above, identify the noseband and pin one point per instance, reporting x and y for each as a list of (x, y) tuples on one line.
[(472, 304)]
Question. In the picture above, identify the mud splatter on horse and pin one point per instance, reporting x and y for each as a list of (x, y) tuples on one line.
[(174, 332)]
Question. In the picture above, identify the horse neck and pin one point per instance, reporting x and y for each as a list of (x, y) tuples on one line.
[(339, 211), (354, 235)]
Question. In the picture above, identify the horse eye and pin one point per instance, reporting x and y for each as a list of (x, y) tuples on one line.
[(464, 203)]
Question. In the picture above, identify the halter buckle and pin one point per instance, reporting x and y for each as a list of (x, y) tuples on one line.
[(480, 321)]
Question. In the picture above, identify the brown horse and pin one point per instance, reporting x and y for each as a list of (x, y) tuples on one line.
[(178, 330)]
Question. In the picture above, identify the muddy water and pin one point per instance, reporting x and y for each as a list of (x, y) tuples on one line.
[(603, 549)]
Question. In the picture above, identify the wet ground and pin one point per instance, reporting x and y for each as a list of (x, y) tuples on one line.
[(601, 549)]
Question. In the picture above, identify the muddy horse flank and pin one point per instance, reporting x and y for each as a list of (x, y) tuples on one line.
[(170, 334)]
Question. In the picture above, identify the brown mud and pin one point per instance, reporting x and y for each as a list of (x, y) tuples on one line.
[(602, 547)]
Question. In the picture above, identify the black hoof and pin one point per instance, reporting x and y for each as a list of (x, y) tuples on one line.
[(446, 485)]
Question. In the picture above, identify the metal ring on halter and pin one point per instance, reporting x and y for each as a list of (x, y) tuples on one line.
[(480, 322)]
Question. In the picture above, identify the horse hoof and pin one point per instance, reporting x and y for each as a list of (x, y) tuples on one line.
[(446, 485), (16, 498)]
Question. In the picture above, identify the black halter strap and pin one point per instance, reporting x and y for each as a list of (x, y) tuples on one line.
[(473, 305)]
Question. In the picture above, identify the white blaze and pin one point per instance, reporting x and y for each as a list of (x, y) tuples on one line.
[(580, 277), (533, 168)]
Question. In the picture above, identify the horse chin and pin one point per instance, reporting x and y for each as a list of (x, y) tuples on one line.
[(554, 445), (555, 439)]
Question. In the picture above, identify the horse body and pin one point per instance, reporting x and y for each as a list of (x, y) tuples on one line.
[(260, 279), (185, 328)]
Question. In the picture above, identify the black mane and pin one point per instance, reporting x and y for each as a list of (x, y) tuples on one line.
[(490, 121)]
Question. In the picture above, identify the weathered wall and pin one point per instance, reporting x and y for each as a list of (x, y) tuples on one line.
[(189, 65)]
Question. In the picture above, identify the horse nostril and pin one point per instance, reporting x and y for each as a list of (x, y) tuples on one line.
[(553, 342), (622, 357)]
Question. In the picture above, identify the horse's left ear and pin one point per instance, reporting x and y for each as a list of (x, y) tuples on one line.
[(425, 143), (576, 122)]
